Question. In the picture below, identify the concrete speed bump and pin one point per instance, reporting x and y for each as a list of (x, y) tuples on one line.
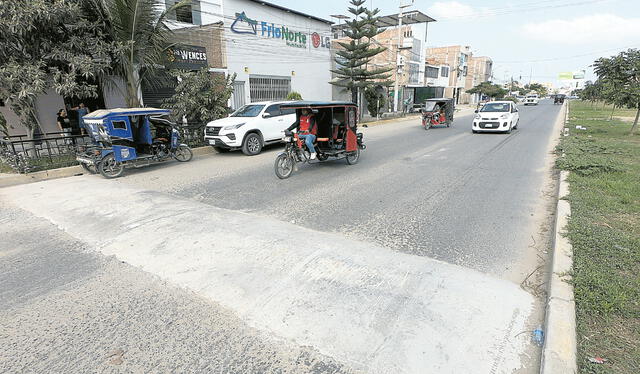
[(370, 308)]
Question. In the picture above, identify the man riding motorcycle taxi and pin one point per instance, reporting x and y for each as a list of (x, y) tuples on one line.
[(307, 129)]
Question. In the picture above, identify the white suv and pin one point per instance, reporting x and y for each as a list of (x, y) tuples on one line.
[(531, 100), (250, 127)]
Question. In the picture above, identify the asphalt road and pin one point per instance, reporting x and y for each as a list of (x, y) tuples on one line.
[(474, 200), (468, 199)]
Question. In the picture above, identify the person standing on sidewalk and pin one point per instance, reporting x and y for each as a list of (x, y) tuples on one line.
[(81, 111), (63, 122)]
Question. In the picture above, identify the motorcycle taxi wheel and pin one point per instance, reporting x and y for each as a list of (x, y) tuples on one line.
[(353, 157), (183, 153), (110, 168), (284, 166), (90, 169)]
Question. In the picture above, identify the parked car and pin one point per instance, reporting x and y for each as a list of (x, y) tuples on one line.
[(531, 100), (496, 116), (250, 128)]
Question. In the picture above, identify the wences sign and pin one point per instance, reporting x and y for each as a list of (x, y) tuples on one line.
[(186, 57)]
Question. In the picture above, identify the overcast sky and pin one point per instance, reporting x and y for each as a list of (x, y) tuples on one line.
[(567, 34)]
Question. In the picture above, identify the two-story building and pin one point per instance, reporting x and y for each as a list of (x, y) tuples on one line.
[(272, 50)]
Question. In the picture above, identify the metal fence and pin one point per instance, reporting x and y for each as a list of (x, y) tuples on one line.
[(58, 149), (48, 151)]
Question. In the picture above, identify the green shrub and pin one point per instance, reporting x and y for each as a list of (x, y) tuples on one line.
[(293, 95)]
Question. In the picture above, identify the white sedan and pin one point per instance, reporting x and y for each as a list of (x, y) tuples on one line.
[(496, 116)]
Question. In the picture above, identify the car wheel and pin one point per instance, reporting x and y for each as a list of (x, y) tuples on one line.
[(252, 144)]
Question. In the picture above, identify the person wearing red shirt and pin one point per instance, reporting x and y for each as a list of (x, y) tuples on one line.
[(306, 129)]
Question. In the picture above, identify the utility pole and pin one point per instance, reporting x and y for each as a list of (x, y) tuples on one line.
[(396, 88)]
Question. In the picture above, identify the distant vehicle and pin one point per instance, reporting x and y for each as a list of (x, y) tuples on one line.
[(496, 116), (531, 100), (437, 112), (558, 99), (250, 128)]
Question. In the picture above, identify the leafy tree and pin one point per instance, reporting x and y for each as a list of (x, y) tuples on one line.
[(3, 126), (375, 100), (139, 27), (49, 45), (200, 96), (293, 95), (488, 89), (620, 76), (352, 59), (538, 88)]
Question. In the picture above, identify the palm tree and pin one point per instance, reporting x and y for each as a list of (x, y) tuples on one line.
[(139, 29)]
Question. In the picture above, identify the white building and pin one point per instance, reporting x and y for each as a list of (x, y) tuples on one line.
[(272, 50)]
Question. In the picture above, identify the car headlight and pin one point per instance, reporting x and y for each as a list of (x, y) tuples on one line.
[(233, 127), (504, 116), (477, 116)]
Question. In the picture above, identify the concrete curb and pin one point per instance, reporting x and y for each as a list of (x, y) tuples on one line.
[(7, 180), (560, 347)]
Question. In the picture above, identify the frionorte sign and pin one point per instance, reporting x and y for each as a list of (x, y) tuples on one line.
[(245, 25)]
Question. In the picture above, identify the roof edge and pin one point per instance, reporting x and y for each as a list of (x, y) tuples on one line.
[(280, 7)]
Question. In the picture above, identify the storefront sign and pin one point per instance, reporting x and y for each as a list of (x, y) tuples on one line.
[(320, 41), (245, 25), (186, 57)]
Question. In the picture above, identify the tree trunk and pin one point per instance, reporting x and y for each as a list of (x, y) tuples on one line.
[(612, 110), (635, 122)]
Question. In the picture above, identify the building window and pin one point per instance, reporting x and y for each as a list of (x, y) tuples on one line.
[(464, 71), (444, 71), (265, 88), (189, 13), (184, 14), (432, 72)]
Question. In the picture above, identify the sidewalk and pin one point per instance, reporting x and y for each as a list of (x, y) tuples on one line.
[(378, 310), (7, 180)]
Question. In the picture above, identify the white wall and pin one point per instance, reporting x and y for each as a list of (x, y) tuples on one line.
[(263, 55), (47, 107)]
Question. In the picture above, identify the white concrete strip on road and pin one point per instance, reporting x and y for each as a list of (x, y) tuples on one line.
[(374, 309)]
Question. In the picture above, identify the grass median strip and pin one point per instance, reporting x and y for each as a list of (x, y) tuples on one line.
[(604, 229)]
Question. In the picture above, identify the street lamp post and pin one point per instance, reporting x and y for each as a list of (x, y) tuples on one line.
[(396, 87)]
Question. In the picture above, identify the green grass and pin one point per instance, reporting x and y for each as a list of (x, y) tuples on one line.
[(604, 230)]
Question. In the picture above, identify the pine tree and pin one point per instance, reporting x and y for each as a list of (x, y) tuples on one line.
[(352, 60)]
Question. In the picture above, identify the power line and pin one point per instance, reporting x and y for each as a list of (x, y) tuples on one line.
[(561, 58)]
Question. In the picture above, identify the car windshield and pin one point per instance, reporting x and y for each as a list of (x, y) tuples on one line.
[(496, 107), (248, 111)]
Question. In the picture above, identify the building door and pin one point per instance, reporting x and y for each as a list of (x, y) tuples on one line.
[(268, 88), (238, 94)]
